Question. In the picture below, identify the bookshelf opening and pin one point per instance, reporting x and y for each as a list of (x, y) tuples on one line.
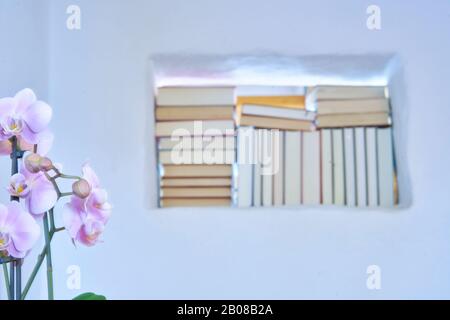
[(270, 145)]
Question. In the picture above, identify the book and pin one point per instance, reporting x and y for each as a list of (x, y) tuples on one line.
[(293, 158), (311, 168), (207, 156), (194, 113), (245, 162), (257, 177), (371, 167), (344, 93), (194, 202), (285, 101), (278, 177), (386, 174), (196, 142), (360, 159), (267, 166), (352, 106), (195, 192), (195, 128), (195, 182), (338, 167), (275, 123), (353, 120), (195, 96), (349, 165), (277, 112), (327, 166), (195, 170)]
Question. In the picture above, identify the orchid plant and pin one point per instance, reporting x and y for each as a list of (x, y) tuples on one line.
[(34, 190)]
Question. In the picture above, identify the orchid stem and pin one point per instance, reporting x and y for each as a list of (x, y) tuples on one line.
[(52, 219), (65, 194), (67, 176), (5, 273), (49, 258), (36, 268)]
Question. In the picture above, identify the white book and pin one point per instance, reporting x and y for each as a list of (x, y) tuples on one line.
[(278, 160), (196, 156), (293, 158), (257, 179), (350, 172), (344, 93), (385, 167), (327, 166), (353, 106), (194, 128), (361, 174), (195, 96), (246, 160), (278, 112), (267, 167), (338, 167), (311, 168), (196, 142), (372, 170)]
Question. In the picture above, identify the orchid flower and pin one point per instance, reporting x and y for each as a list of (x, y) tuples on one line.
[(18, 230), (24, 117), (85, 217), (38, 192)]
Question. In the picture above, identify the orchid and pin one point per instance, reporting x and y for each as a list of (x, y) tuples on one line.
[(24, 136), (86, 215), (38, 192), (24, 117), (18, 230)]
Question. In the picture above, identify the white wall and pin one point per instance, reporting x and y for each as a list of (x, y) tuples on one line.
[(99, 88)]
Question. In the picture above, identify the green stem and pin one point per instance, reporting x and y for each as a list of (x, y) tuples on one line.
[(6, 274), (49, 258), (67, 176), (65, 194), (52, 219), (35, 269), (38, 264)]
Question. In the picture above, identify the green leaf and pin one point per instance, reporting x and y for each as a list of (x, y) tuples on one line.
[(89, 296)]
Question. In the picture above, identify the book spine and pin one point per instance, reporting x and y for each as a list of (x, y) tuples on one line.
[(372, 167), (311, 168), (350, 178), (293, 156), (361, 174), (385, 167), (338, 167), (279, 161), (327, 166)]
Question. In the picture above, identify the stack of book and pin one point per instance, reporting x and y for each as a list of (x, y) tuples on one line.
[(196, 145), (348, 106), (356, 152), (348, 160)]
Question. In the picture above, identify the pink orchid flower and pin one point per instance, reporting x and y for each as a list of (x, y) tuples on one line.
[(38, 192), (86, 218), (43, 147), (19, 232), (25, 117)]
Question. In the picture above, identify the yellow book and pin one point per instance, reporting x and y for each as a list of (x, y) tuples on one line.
[(292, 102)]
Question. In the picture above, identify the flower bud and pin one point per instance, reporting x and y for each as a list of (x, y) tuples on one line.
[(32, 162), (81, 188), (45, 164)]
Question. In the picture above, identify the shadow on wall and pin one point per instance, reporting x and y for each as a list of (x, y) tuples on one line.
[(276, 70)]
